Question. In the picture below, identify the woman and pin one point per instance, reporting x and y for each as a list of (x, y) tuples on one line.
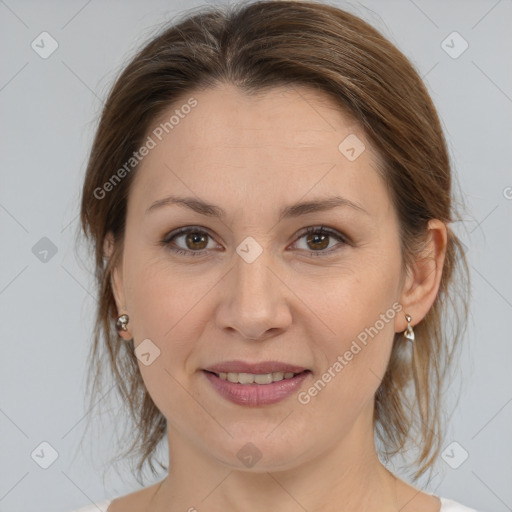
[(268, 198)]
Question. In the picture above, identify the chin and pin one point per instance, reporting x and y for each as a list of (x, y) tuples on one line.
[(259, 454)]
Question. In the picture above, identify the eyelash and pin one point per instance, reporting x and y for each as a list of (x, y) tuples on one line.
[(313, 230)]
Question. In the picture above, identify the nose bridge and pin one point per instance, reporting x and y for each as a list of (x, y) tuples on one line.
[(253, 280), (254, 302)]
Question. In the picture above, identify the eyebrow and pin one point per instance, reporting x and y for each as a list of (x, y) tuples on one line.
[(291, 211)]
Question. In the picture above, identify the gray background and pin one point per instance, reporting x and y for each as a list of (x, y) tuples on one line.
[(49, 108)]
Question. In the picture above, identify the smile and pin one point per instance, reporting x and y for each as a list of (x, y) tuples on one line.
[(256, 390)]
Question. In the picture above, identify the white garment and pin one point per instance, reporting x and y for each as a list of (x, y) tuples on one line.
[(447, 505), (100, 506)]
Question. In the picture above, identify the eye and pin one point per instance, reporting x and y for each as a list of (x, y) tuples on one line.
[(194, 239), (317, 237)]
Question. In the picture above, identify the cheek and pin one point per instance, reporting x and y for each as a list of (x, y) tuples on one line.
[(358, 310), (354, 298), (164, 297), (160, 306), (354, 359), (167, 311), (171, 309)]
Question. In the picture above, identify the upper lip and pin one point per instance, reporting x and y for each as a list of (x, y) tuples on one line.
[(255, 368)]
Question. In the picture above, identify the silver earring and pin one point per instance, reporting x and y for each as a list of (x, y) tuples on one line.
[(121, 322), (409, 332)]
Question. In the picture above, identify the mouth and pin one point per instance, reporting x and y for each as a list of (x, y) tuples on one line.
[(267, 383)]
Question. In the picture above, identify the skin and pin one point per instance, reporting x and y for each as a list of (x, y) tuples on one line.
[(252, 156)]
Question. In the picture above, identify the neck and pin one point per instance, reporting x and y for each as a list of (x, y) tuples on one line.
[(345, 477)]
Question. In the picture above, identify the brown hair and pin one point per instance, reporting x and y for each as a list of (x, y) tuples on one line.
[(256, 46)]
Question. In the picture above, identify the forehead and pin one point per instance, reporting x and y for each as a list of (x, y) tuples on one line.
[(279, 144), (283, 117)]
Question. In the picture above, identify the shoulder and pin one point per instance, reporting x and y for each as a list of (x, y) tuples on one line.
[(448, 505), (101, 506)]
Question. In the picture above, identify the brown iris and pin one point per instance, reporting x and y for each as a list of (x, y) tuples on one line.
[(196, 238), (314, 238)]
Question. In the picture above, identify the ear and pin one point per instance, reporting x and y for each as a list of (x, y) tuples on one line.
[(116, 279), (424, 276)]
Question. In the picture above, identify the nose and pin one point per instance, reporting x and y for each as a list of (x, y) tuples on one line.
[(255, 300)]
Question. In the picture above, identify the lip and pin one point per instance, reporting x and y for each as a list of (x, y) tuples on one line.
[(255, 395), (238, 366)]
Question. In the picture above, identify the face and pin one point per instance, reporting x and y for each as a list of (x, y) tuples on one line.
[(252, 285)]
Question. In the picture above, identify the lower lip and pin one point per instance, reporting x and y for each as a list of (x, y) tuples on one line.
[(254, 395)]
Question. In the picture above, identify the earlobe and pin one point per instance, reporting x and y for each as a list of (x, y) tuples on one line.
[(424, 276)]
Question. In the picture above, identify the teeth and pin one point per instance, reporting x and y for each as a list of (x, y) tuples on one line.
[(251, 378)]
